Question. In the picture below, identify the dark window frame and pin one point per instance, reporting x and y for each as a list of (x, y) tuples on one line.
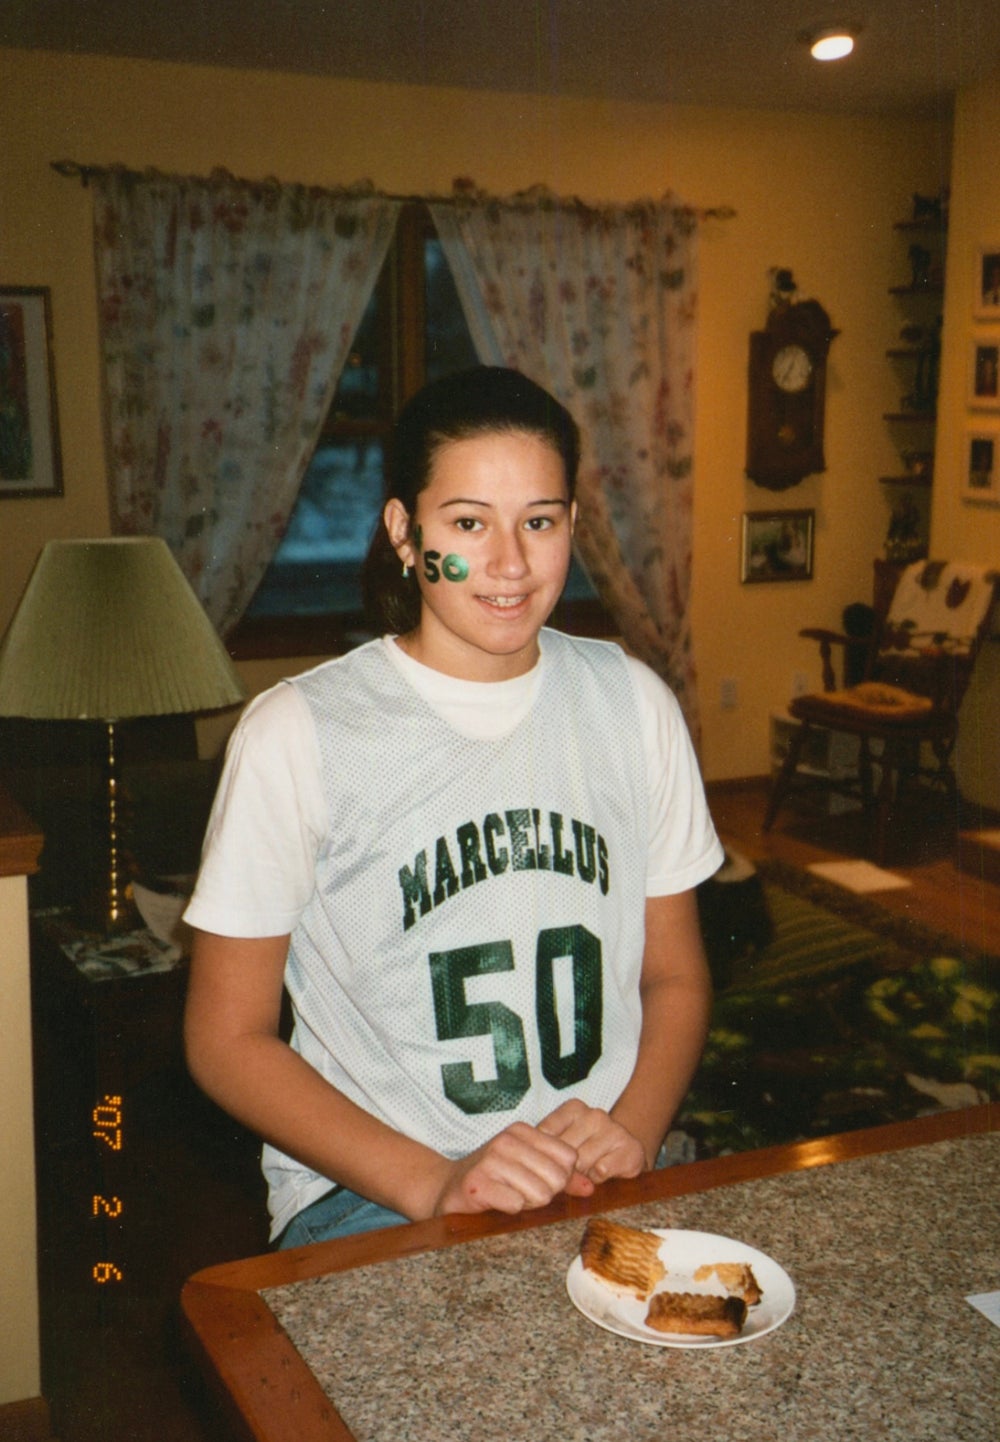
[(401, 347)]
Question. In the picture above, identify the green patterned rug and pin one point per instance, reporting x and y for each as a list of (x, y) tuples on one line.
[(848, 1017)]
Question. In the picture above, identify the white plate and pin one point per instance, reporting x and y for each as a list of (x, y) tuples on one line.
[(683, 1253)]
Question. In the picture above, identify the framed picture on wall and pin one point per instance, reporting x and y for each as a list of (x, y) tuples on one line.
[(777, 546), (984, 375), (29, 429), (981, 469), (986, 298)]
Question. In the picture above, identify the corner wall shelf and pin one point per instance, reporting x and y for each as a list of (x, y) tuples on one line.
[(914, 356)]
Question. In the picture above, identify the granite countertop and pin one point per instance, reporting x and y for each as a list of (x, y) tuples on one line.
[(480, 1341)]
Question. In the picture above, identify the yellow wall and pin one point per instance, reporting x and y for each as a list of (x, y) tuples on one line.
[(959, 528), (19, 1352), (818, 194)]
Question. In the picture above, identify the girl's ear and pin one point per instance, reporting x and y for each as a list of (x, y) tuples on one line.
[(397, 525), (572, 517)]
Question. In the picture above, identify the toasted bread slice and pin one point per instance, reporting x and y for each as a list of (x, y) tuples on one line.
[(695, 1315), (737, 1278), (624, 1258)]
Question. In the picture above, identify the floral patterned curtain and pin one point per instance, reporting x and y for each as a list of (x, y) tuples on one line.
[(227, 310), (598, 304)]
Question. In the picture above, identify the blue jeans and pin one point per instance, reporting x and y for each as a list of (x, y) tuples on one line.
[(339, 1214)]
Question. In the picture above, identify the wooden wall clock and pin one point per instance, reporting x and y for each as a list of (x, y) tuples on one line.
[(787, 395)]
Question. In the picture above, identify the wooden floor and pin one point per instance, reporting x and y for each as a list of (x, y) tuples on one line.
[(941, 895), (115, 1365)]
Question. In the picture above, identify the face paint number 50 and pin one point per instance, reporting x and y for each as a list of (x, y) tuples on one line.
[(453, 568)]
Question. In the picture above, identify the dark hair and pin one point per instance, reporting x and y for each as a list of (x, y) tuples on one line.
[(482, 401)]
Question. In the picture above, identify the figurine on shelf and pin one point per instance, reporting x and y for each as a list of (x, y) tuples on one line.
[(903, 541), (783, 287), (931, 209), (919, 463), (923, 396), (920, 267)]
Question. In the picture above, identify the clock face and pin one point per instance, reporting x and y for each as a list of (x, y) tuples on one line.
[(792, 369), (786, 386)]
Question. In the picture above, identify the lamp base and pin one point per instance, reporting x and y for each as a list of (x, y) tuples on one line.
[(110, 909)]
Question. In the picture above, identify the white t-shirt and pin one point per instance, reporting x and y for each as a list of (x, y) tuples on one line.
[(233, 899), (463, 881)]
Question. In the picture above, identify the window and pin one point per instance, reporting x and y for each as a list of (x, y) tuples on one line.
[(309, 601)]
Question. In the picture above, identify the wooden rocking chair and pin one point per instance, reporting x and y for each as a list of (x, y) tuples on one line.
[(919, 662)]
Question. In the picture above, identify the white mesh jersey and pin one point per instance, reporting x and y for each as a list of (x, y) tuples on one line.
[(470, 951)]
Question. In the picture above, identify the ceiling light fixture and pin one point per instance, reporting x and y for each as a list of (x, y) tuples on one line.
[(831, 44)]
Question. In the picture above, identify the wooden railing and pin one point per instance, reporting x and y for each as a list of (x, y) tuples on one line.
[(20, 839)]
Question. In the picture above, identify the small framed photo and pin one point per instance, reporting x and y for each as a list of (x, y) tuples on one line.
[(29, 429), (986, 299), (981, 469), (777, 546), (984, 375)]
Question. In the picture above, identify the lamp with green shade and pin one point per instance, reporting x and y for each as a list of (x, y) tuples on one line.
[(107, 631)]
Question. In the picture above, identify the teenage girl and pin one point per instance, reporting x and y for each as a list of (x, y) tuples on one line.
[(468, 850)]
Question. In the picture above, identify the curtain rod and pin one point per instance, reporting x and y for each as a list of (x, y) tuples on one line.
[(463, 189)]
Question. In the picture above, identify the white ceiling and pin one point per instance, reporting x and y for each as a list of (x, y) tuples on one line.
[(910, 57)]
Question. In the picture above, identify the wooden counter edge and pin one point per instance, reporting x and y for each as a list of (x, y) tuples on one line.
[(266, 1390), (275, 1269), (272, 1396)]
